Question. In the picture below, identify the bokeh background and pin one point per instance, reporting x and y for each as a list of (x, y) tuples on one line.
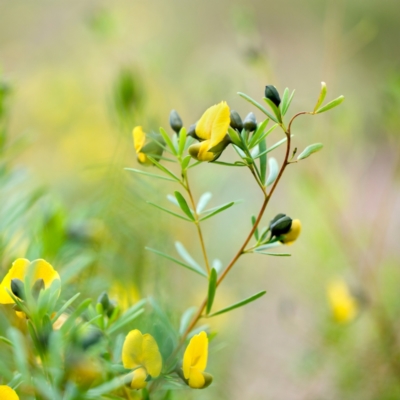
[(81, 74)]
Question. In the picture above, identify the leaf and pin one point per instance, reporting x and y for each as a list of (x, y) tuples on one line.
[(273, 171), (321, 97), (262, 137), (235, 137), (64, 307), (204, 199), (162, 168), (274, 108), (285, 98), (273, 254), (263, 160), (258, 105), (186, 319), (273, 147), (236, 164), (182, 140), (217, 264), (285, 109), (258, 133), (218, 210), (173, 200), (269, 246), (198, 271), (168, 141), (330, 105), (312, 148), (183, 205), (150, 174), (169, 211), (253, 221), (239, 304), (212, 287), (186, 256), (185, 162)]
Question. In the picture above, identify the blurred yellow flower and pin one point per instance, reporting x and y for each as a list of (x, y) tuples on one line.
[(6, 393), (343, 304), (139, 139), (140, 352), (295, 230), (154, 148), (40, 270), (195, 362), (211, 130)]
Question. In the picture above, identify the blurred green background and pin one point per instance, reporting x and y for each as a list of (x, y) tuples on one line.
[(83, 73)]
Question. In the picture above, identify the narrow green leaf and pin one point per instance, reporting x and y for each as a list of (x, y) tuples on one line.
[(285, 99), (195, 164), (274, 108), (239, 304), (330, 105), (173, 200), (185, 162), (269, 246), (235, 137), (212, 287), (169, 211), (273, 171), (164, 169), (72, 319), (180, 248), (5, 340), (64, 307), (218, 210), (263, 160), (183, 205), (200, 272), (264, 234), (182, 140), (258, 133), (253, 221), (203, 201), (273, 147), (168, 141), (273, 254), (262, 137), (312, 148), (258, 105), (285, 109), (186, 319), (229, 164), (321, 97), (125, 320)]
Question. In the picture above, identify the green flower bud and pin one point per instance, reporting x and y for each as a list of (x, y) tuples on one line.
[(175, 121), (18, 288), (280, 225), (104, 300), (236, 121), (272, 94), (91, 338), (192, 132), (250, 122)]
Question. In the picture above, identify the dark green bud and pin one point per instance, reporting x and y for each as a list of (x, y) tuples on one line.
[(110, 309), (250, 122), (18, 288), (91, 338), (192, 132), (236, 121), (175, 121), (272, 94), (104, 300), (280, 225), (37, 287)]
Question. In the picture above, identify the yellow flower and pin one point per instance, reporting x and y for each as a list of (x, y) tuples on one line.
[(6, 393), (344, 306), (140, 352), (153, 148), (290, 237), (40, 270), (195, 362), (211, 130)]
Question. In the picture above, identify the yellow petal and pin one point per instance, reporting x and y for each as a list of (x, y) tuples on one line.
[(204, 125), (132, 349), (196, 379), (44, 270), (204, 154), (139, 137), (151, 356), (6, 393), (196, 354), (344, 306), (139, 379), (293, 234), (17, 271), (220, 124), (142, 158)]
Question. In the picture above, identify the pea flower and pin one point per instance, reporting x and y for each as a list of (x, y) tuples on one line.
[(343, 304), (211, 130), (43, 275), (294, 232), (140, 352), (195, 362), (6, 393), (154, 148)]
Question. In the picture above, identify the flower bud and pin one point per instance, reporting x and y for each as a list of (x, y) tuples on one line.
[(236, 121), (18, 288), (192, 132), (250, 122), (175, 121), (37, 287), (280, 225), (104, 300), (272, 94), (293, 233)]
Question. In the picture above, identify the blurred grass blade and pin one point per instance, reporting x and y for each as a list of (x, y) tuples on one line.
[(160, 253), (162, 168), (150, 174), (168, 141), (212, 287), (123, 321), (273, 171), (169, 211), (186, 256), (21, 355), (263, 160), (218, 210), (69, 323), (109, 386), (330, 105), (258, 105), (287, 105), (203, 201), (239, 304), (183, 205), (64, 307), (312, 148)]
